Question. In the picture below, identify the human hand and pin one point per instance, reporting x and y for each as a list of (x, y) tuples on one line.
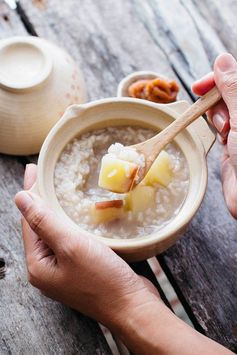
[(224, 118), (76, 270), (86, 275)]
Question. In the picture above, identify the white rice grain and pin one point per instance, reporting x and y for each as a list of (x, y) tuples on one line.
[(76, 182)]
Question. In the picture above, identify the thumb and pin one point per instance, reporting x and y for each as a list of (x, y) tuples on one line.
[(225, 75), (44, 222)]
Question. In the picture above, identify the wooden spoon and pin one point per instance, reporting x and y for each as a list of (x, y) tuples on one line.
[(153, 146)]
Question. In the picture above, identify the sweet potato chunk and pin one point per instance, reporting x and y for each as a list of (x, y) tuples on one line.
[(117, 175), (107, 211), (140, 198), (160, 171)]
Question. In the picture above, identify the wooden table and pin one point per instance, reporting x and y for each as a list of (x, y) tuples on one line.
[(110, 39)]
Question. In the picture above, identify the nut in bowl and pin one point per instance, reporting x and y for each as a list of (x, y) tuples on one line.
[(150, 218)]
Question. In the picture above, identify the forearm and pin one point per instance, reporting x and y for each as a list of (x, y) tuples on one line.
[(151, 328)]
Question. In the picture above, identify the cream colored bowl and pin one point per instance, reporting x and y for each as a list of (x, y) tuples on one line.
[(135, 76), (38, 81), (195, 142)]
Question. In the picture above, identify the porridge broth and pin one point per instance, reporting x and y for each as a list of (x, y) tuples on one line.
[(76, 183)]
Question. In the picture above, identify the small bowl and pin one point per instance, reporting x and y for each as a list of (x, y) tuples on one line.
[(38, 81), (124, 84), (195, 142)]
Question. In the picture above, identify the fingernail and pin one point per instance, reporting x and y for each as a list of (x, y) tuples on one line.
[(226, 62), (218, 121), (23, 201), (204, 77)]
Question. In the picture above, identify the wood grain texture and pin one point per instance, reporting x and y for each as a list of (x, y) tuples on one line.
[(202, 265), (31, 323), (180, 39), (10, 24), (221, 15), (104, 37), (123, 36)]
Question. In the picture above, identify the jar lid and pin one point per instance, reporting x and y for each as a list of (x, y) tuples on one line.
[(24, 63)]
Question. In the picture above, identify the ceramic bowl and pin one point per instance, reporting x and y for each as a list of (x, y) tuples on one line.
[(38, 81), (133, 77), (195, 142)]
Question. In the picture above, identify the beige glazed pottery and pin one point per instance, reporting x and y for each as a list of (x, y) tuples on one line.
[(38, 80), (195, 142), (133, 77)]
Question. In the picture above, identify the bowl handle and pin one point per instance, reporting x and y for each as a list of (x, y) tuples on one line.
[(34, 189), (200, 125)]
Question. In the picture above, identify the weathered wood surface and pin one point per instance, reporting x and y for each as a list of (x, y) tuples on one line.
[(221, 15), (10, 24), (133, 35), (180, 39), (31, 323)]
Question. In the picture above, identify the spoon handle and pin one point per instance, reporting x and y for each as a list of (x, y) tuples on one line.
[(191, 114)]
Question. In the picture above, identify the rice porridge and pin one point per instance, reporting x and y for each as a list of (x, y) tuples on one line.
[(76, 184)]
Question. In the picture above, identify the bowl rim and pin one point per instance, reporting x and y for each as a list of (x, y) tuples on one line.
[(155, 237), (36, 43), (135, 76)]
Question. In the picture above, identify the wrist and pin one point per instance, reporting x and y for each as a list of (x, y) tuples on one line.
[(146, 326), (134, 319)]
